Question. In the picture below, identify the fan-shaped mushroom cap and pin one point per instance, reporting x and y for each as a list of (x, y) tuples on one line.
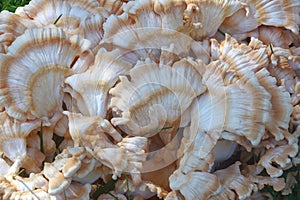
[(276, 36), (84, 128), (35, 67), (67, 14), (221, 106), (281, 106), (279, 155), (4, 167), (233, 184), (230, 79), (203, 18), (161, 91), (13, 142), (74, 191), (57, 182), (90, 89), (140, 21), (11, 26), (112, 6), (188, 184), (196, 150), (273, 13), (91, 28), (127, 157)]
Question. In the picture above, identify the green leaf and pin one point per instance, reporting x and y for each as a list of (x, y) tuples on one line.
[(127, 185), (41, 138), (157, 130), (57, 19), (104, 189)]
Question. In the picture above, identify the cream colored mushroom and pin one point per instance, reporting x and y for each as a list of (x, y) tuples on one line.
[(43, 72), (140, 21), (90, 89), (11, 26), (164, 94), (188, 184), (112, 6), (273, 13), (57, 182), (200, 19), (13, 141), (67, 15), (84, 128), (279, 155), (125, 156)]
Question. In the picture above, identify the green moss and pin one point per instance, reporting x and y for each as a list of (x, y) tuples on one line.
[(12, 5)]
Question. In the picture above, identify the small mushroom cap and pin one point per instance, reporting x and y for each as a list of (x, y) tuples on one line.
[(90, 89), (233, 183), (200, 19), (13, 135), (188, 184), (4, 167), (12, 25), (81, 127), (279, 155), (77, 191), (112, 6), (57, 182)]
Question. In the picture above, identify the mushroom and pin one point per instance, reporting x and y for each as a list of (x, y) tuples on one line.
[(112, 6), (166, 18), (272, 13), (57, 182), (164, 94), (173, 111), (93, 133), (41, 75), (67, 15), (11, 26), (90, 89), (279, 155), (13, 141), (200, 20)]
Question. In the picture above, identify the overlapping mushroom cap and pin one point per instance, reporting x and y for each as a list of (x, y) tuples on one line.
[(34, 68), (175, 94)]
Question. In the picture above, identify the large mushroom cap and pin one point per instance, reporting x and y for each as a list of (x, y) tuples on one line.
[(67, 15), (160, 91), (35, 67)]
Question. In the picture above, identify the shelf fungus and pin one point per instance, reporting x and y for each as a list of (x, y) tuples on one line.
[(67, 15), (149, 99), (35, 66), (90, 88), (157, 100), (13, 144), (12, 26)]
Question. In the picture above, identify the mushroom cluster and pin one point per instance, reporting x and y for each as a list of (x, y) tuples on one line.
[(165, 99)]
